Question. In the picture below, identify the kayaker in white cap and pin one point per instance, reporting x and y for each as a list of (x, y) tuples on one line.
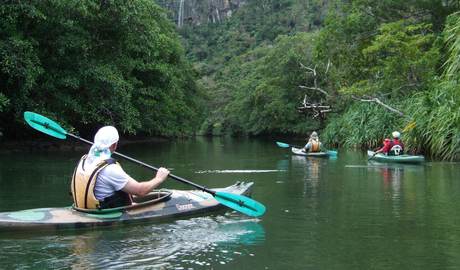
[(100, 182), (313, 144), (397, 146)]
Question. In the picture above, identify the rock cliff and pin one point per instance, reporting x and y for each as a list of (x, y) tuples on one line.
[(196, 12)]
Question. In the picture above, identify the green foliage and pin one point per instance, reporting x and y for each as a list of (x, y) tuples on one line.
[(3, 102), (400, 59), (92, 63), (347, 32), (264, 88), (428, 11), (371, 57), (19, 64), (452, 38), (249, 73), (436, 118), (362, 125), (436, 113)]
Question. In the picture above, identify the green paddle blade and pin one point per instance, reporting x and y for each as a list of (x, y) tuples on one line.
[(45, 125), (332, 153), (240, 203), (283, 145)]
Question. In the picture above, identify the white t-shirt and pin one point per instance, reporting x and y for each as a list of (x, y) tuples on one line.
[(112, 178)]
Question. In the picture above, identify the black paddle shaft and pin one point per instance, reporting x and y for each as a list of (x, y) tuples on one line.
[(149, 166)]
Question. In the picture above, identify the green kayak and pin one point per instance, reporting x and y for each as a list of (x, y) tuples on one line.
[(399, 159), (158, 205), (300, 152)]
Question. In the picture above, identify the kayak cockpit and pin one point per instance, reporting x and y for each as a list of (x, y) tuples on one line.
[(153, 197)]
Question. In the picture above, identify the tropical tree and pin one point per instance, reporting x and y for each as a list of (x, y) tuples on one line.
[(91, 63)]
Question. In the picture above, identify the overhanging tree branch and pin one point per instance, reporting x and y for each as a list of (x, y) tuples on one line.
[(378, 101), (315, 83), (317, 109)]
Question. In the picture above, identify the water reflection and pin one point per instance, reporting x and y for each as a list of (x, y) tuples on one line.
[(202, 241), (392, 176), (392, 187), (311, 167)]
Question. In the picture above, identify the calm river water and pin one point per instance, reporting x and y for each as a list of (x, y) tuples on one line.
[(344, 213)]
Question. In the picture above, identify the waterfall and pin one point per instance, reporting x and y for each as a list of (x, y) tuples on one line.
[(180, 19)]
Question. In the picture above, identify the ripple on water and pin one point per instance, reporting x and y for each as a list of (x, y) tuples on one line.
[(189, 243)]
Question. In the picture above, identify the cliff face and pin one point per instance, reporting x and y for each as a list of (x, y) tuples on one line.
[(196, 12)]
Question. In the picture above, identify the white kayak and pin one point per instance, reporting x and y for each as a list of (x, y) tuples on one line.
[(300, 152)]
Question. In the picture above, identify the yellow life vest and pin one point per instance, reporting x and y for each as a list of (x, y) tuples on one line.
[(83, 183), (314, 146)]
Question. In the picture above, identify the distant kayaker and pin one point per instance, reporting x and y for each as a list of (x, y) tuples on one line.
[(100, 182), (313, 144), (397, 146), (385, 149), (393, 147)]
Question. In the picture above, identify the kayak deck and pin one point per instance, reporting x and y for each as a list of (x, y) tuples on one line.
[(178, 203), (300, 152), (399, 159)]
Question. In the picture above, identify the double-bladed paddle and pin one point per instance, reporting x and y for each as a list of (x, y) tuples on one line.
[(236, 202), (285, 145)]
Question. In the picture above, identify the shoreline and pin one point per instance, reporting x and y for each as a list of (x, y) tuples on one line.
[(61, 145)]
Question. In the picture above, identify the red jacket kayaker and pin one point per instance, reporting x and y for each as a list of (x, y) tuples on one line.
[(386, 147), (393, 147)]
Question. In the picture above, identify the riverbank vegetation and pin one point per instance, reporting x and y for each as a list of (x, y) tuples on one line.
[(357, 71), (354, 70)]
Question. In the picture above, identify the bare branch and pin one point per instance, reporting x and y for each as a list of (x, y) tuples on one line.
[(315, 106), (317, 109), (378, 101), (312, 70), (314, 88)]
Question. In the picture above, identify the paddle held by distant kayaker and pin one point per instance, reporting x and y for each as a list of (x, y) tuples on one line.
[(100, 182), (313, 144)]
